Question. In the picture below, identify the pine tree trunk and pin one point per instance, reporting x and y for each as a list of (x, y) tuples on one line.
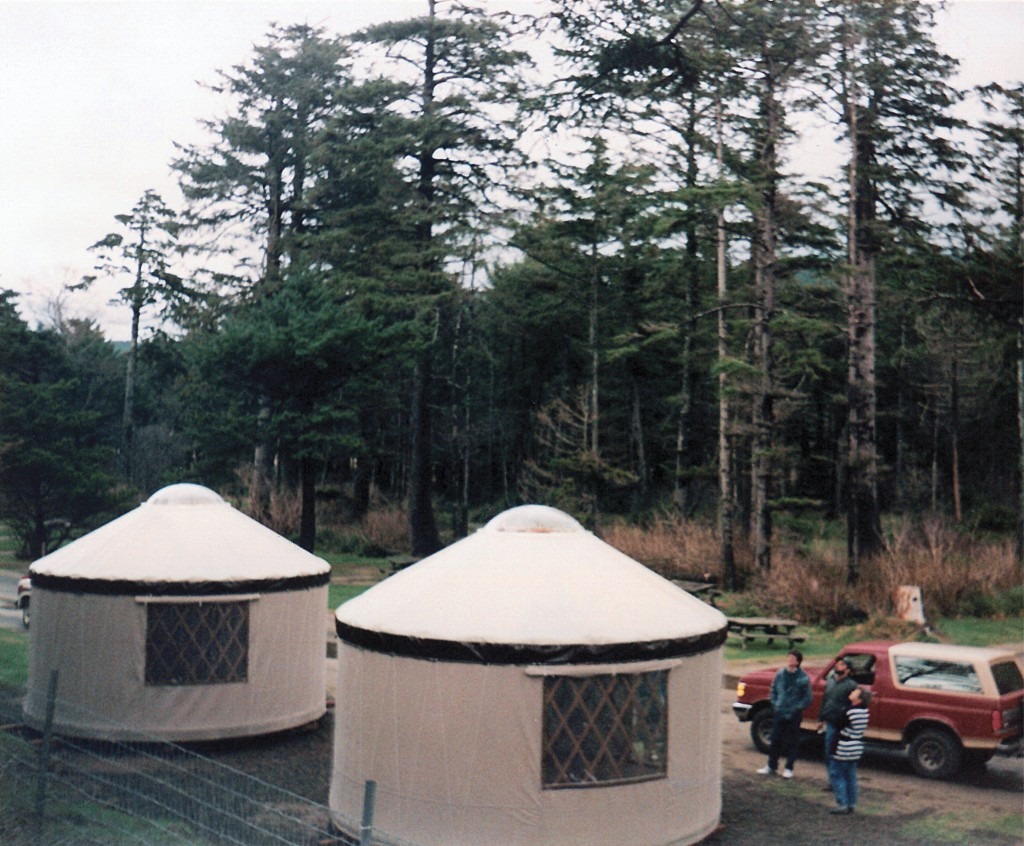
[(690, 297), (422, 527), (954, 437), (263, 461), (128, 413), (592, 431), (902, 415), (307, 519), (1020, 434), (636, 430), (726, 495), (264, 454), (764, 259), (423, 536), (863, 517), (763, 420), (863, 526)]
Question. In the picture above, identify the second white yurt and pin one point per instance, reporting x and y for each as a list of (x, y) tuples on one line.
[(529, 685), (181, 620)]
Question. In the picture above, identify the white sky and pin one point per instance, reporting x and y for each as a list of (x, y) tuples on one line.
[(94, 92)]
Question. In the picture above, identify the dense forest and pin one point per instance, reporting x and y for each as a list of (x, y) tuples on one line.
[(467, 260)]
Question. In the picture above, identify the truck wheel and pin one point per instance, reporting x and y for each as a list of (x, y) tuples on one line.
[(761, 729), (935, 754)]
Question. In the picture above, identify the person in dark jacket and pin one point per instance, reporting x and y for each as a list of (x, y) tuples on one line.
[(833, 708), (790, 694), (847, 751)]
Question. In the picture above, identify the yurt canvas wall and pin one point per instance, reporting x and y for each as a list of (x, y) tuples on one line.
[(529, 685), (181, 620)]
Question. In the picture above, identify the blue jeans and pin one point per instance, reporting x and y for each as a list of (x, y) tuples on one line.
[(830, 735), (785, 740), (844, 785)]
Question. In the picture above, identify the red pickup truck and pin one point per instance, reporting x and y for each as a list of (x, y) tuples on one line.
[(947, 706)]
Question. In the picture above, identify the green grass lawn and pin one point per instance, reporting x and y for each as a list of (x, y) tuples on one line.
[(13, 658), (8, 548), (824, 643), (971, 631), (337, 594)]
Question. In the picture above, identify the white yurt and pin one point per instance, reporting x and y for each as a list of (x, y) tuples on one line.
[(181, 620), (529, 685)]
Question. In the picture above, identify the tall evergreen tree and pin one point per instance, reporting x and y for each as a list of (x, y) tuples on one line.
[(775, 46), (450, 75), (592, 240), (301, 347), (999, 257), (54, 458), (143, 251), (248, 187), (894, 99)]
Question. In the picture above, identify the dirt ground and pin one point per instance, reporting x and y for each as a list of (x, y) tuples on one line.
[(983, 807), (897, 808)]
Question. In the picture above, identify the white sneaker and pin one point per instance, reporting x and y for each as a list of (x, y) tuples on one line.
[(787, 773), (766, 770)]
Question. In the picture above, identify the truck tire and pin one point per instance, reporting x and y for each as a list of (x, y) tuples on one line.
[(935, 754), (761, 729)]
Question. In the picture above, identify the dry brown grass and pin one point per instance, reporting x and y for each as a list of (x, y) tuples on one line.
[(957, 574), (954, 570), (283, 510), (386, 527), (672, 546)]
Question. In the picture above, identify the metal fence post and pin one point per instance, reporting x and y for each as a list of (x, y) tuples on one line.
[(43, 764), (369, 800)]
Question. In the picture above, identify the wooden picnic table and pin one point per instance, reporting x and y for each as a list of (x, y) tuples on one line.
[(399, 562), (704, 590), (768, 629)]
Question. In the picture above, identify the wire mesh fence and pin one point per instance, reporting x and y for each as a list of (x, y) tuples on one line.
[(64, 791)]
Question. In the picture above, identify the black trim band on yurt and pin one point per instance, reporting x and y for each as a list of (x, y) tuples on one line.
[(431, 649), (129, 587)]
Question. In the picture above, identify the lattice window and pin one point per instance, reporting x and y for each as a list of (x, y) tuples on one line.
[(604, 729), (197, 643)]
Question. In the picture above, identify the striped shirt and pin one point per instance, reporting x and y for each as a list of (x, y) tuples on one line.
[(850, 741)]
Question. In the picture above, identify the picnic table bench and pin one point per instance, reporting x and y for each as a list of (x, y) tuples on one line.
[(769, 629), (705, 590), (398, 562)]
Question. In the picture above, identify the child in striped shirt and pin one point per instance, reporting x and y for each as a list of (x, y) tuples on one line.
[(847, 750)]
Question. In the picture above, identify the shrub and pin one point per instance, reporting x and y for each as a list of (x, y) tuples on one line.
[(351, 542), (955, 571), (878, 628), (670, 545), (957, 574), (810, 586), (386, 528), (283, 510)]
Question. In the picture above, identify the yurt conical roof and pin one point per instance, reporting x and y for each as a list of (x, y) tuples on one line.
[(531, 586), (184, 538)]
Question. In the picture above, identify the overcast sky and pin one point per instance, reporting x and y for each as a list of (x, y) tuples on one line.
[(95, 93)]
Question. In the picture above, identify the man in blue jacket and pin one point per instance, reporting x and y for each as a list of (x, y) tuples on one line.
[(791, 693)]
